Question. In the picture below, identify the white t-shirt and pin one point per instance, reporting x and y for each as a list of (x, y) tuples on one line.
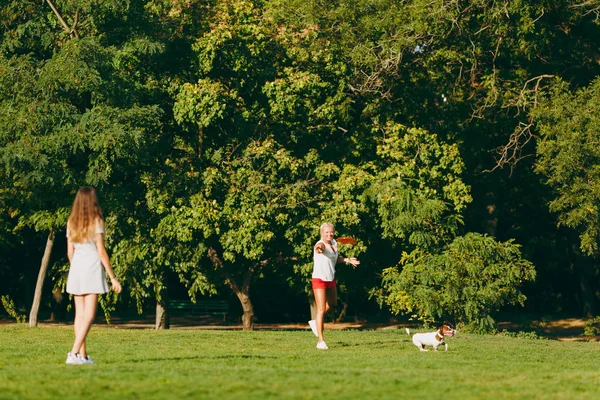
[(324, 263)]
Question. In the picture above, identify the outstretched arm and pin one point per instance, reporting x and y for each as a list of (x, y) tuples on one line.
[(351, 260)]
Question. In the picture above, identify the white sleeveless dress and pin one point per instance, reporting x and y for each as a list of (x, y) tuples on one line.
[(86, 275)]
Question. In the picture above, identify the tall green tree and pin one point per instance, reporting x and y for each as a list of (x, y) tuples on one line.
[(65, 119), (568, 159), (248, 170)]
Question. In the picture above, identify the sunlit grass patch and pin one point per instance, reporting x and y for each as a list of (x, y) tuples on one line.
[(176, 364)]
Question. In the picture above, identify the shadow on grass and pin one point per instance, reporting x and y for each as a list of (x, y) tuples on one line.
[(243, 356), (161, 359), (223, 357), (564, 329), (362, 344)]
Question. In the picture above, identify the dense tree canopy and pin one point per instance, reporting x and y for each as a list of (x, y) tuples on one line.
[(456, 140)]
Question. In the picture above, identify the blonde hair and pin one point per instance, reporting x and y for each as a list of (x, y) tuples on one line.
[(85, 215), (326, 225)]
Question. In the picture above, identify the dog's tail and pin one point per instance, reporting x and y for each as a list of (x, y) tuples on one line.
[(408, 331)]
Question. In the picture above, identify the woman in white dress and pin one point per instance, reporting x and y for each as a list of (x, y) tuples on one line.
[(325, 257), (89, 260)]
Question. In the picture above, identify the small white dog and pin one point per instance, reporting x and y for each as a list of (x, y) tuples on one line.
[(434, 339)]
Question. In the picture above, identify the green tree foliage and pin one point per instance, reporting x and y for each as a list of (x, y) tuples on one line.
[(419, 196), (72, 113), (470, 72), (222, 133), (10, 308), (569, 158), (469, 280), (259, 120), (418, 189)]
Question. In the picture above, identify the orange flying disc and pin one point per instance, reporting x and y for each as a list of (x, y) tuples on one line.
[(346, 240)]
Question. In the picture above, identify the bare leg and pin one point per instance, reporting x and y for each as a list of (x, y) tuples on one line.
[(331, 296), (324, 299), (79, 310), (322, 308), (79, 321), (85, 312)]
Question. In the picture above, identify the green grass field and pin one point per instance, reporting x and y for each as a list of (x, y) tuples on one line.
[(184, 364)]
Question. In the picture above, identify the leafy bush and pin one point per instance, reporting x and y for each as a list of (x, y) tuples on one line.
[(10, 308), (474, 276), (592, 327), (522, 335)]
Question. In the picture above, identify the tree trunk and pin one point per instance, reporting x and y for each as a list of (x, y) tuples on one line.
[(242, 293), (162, 317), (200, 141), (342, 314), (57, 313), (491, 222), (584, 268), (248, 316), (37, 297), (587, 293)]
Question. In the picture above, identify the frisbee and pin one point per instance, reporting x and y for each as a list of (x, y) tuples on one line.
[(346, 240)]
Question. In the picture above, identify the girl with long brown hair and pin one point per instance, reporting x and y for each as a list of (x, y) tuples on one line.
[(88, 256)]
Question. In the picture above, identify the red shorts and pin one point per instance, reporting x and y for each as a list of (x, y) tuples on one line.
[(321, 284)]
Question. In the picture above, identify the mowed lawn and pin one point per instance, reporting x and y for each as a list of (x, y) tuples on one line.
[(190, 364)]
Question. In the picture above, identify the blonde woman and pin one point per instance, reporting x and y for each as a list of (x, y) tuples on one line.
[(89, 261), (325, 257)]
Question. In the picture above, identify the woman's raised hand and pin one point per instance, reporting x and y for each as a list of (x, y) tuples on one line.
[(353, 261), (320, 248)]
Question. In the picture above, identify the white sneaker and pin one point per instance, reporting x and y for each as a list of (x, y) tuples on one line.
[(74, 359), (87, 360), (322, 346), (313, 326)]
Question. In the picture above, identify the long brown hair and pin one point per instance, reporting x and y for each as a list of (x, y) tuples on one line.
[(85, 215)]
